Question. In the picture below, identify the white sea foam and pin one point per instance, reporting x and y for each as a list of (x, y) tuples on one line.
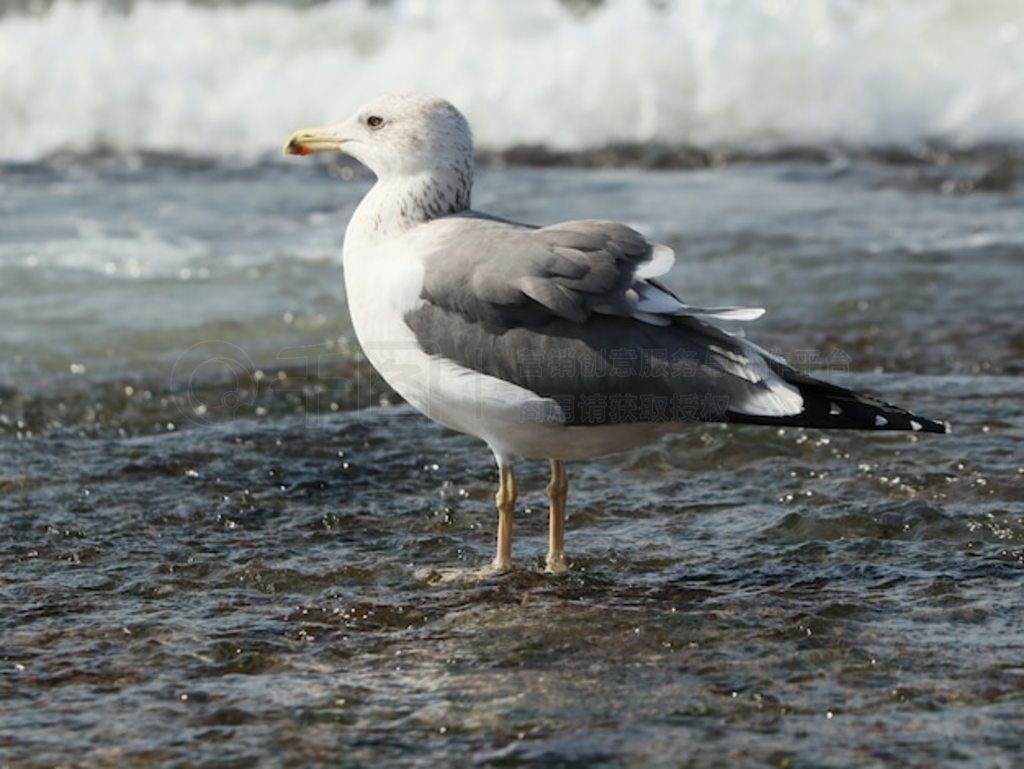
[(228, 79)]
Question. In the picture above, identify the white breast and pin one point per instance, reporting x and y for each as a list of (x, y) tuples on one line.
[(383, 282)]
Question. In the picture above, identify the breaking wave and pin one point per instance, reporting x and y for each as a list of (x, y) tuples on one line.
[(232, 79)]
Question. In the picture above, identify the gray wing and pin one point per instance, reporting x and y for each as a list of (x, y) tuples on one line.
[(493, 270), (569, 312)]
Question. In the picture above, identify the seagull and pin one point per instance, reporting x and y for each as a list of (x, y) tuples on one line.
[(553, 342)]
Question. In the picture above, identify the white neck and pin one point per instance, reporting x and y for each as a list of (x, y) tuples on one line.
[(395, 204)]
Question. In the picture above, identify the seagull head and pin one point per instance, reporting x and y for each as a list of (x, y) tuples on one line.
[(395, 135)]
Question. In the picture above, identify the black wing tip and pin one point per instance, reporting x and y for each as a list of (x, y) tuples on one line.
[(904, 424), (828, 402), (943, 427), (862, 412), (831, 407), (913, 423)]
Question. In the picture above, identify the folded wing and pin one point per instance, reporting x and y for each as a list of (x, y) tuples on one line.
[(572, 312)]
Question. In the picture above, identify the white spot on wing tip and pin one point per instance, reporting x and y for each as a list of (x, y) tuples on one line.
[(880, 421)]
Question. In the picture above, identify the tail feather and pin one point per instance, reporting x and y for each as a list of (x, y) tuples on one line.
[(832, 407)]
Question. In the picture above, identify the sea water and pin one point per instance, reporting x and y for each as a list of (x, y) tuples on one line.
[(225, 542)]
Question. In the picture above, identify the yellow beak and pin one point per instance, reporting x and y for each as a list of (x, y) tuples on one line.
[(308, 140)]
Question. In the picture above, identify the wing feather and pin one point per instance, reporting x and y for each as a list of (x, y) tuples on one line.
[(571, 270), (575, 291)]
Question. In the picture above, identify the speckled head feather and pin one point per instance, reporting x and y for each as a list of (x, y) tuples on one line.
[(420, 148), (422, 144), (408, 134)]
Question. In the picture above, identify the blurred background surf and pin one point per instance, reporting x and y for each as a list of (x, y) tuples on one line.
[(227, 78), (213, 552)]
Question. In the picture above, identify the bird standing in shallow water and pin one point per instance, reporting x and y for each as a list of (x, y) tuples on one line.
[(549, 343)]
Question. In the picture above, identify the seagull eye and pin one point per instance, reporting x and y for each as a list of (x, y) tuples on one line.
[(375, 121)]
